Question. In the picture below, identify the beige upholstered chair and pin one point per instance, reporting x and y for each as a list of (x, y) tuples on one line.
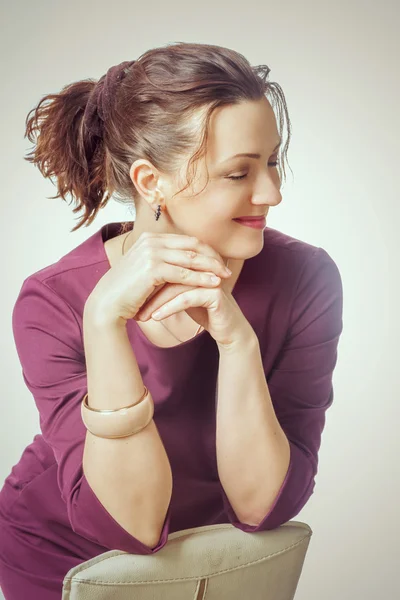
[(214, 562)]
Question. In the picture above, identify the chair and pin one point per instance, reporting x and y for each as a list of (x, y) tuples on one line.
[(214, 562)]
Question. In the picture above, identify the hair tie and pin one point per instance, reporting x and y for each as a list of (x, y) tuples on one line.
[(98, 106)]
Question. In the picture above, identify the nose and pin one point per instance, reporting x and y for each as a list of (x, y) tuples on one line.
[(270, 197), (268, 190)]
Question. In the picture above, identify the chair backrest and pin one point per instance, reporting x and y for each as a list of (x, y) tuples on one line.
[(213, 562)]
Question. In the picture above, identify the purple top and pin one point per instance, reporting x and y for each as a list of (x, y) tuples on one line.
[(291, 293)]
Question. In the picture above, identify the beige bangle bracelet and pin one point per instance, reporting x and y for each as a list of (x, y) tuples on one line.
[(121, 422)]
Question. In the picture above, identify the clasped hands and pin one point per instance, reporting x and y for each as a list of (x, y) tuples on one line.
[(214, 308)]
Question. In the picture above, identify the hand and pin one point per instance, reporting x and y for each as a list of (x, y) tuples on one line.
[(215, 309), (154, 261)]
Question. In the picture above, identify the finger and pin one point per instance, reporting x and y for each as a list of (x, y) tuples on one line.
[(169, 292), (190, 299), (186, 242)]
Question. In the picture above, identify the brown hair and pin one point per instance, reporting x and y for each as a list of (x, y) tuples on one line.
[(151, 117)]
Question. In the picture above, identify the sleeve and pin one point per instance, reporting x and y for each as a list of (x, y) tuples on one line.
[(49, 344), (300, 385)]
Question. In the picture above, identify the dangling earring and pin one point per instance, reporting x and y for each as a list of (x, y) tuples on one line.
[(158, 211)]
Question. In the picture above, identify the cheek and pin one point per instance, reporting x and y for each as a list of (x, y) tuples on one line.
[(221, 204), (231, 202)]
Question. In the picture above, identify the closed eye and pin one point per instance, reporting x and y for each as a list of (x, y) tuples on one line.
[(238, 177)]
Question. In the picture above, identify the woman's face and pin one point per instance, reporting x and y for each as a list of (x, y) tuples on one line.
[(246, 128), (208, 213)]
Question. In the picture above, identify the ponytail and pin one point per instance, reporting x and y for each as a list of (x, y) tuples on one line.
[(68, 151)]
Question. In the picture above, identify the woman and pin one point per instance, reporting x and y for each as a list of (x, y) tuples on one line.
[(227, 388)]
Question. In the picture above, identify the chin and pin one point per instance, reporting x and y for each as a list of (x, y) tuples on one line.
[(244, 249)]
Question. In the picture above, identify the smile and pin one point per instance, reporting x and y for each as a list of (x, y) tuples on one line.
[(254, 223)]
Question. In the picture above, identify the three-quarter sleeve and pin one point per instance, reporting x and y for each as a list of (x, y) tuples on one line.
[(48, 340), (300, 385)]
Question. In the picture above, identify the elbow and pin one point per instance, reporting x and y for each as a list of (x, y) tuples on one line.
[(154, 541), (287, 510), (90, 519)]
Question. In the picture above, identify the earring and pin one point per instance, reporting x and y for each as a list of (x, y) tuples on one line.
[(158, 212)]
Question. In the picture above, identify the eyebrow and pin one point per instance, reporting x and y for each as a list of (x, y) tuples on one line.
[(250, 155)]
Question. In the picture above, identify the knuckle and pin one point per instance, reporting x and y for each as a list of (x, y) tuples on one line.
[(142, 239), (191, 253), (150, 264), (150, 258), (147, 239), (185, 303), (150, 276), (184, 273)]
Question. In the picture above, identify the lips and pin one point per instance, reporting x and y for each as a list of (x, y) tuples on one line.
[(262, 218), (254, 223)]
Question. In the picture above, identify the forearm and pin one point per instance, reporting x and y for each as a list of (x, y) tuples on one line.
[(131, 476), (253, 452)]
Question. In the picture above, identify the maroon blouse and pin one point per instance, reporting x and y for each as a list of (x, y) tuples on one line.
[(51, 520)]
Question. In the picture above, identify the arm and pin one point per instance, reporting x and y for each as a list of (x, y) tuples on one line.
[(131, 476), (49, 341), (250, 441), (269, 434)]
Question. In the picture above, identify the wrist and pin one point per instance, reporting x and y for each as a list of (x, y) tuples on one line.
[(96, 314), (241, 343)]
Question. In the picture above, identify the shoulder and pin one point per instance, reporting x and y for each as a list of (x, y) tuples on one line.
[(310, 281), (70, 279), (299, 276), (286, 247), (295, 257)]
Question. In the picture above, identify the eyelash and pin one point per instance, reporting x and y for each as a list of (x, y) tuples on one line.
[(273, 164)]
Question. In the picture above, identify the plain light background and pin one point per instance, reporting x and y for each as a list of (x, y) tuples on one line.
[(338, 66)]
